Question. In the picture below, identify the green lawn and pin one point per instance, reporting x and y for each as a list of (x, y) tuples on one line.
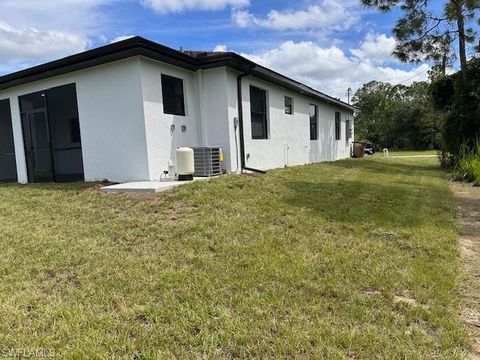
[(408, 152), (355, 259)]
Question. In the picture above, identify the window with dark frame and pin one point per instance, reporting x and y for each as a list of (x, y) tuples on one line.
[(313, 122), (258, 112), (348, 129), (337, 125), (172, 94), (288, 105)]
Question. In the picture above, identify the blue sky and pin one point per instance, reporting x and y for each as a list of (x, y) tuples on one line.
[(328, 44)]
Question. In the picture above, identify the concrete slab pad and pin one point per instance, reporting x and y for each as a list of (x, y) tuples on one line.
[(146, 186)]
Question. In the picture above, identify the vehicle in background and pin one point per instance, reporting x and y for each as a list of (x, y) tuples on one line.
[(369, 149)]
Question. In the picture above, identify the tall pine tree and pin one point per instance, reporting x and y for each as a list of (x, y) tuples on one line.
[(427, 31)]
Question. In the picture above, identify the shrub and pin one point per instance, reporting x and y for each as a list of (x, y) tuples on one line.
[(442, 91), (468, 167), (447, 160), (461, 102)]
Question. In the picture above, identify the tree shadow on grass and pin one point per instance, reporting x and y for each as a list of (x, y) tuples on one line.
[(392, 167), (354, 202), (414, 167)]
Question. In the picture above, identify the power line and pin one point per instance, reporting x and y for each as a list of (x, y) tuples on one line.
[(414, 76), (361, 82), (349, 94)]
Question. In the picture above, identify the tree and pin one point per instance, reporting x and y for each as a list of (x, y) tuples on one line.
[(427, 31), (460, 101), (397, 117), (376, 101)]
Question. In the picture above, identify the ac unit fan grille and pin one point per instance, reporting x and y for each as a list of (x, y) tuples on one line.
[(207, 161)]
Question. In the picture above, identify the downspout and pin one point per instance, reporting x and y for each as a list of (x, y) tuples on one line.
[(240, 124), (201, 107)]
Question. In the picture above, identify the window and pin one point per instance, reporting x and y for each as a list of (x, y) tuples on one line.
[(288, 105), (313, 122), (172, 92), (337, 125), (348, 129), (258, 111)]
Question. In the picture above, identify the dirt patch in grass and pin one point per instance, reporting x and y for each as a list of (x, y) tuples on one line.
[(140, 196), (95, 186), (406, 297), (468, 217)]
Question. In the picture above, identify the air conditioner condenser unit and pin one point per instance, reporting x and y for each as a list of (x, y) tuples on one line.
[(208, 161)]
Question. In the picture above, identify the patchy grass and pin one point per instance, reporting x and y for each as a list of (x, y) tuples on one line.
[(352, 259)]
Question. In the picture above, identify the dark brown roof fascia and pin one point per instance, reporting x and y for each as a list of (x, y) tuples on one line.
[(272, 76), (138, 46), (240, 63), (99, 56)]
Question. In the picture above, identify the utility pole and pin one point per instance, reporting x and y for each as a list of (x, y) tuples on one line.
[(349, 94)]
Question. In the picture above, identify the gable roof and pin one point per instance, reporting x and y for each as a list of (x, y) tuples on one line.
[(138, 46)]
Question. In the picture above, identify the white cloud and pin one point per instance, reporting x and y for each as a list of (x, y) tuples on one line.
[(327, 14), (176, 6), (243, 18), (376, 48), (220, 48), (330, 69), (121, 38), (33, 44), (33, 31), (71, 15)]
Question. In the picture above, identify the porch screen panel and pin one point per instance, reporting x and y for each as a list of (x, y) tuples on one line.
[(36, 137), (65, 133), (8, 166)]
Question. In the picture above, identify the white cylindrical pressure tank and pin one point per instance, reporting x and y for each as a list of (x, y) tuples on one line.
[(185, 163)]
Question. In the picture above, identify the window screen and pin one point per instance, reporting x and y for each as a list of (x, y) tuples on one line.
[(64, 126), (258, 109), (313, 122), (348, 129), (51, 134), (337, 125), (288, 105), (172, 93)]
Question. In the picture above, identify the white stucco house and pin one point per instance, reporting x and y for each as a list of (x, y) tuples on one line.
[(119, 112)]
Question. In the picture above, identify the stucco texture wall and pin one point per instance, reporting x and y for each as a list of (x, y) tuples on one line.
[(288, 140), (111, 120), (126, 136)]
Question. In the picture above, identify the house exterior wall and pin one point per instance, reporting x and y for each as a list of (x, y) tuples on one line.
[(215, 114), (288, 140), (111, 120), (164, 131), (206, 114), (126, 136), (211, 107)]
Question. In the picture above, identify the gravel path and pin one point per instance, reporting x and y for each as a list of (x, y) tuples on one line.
[(468, 217)]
